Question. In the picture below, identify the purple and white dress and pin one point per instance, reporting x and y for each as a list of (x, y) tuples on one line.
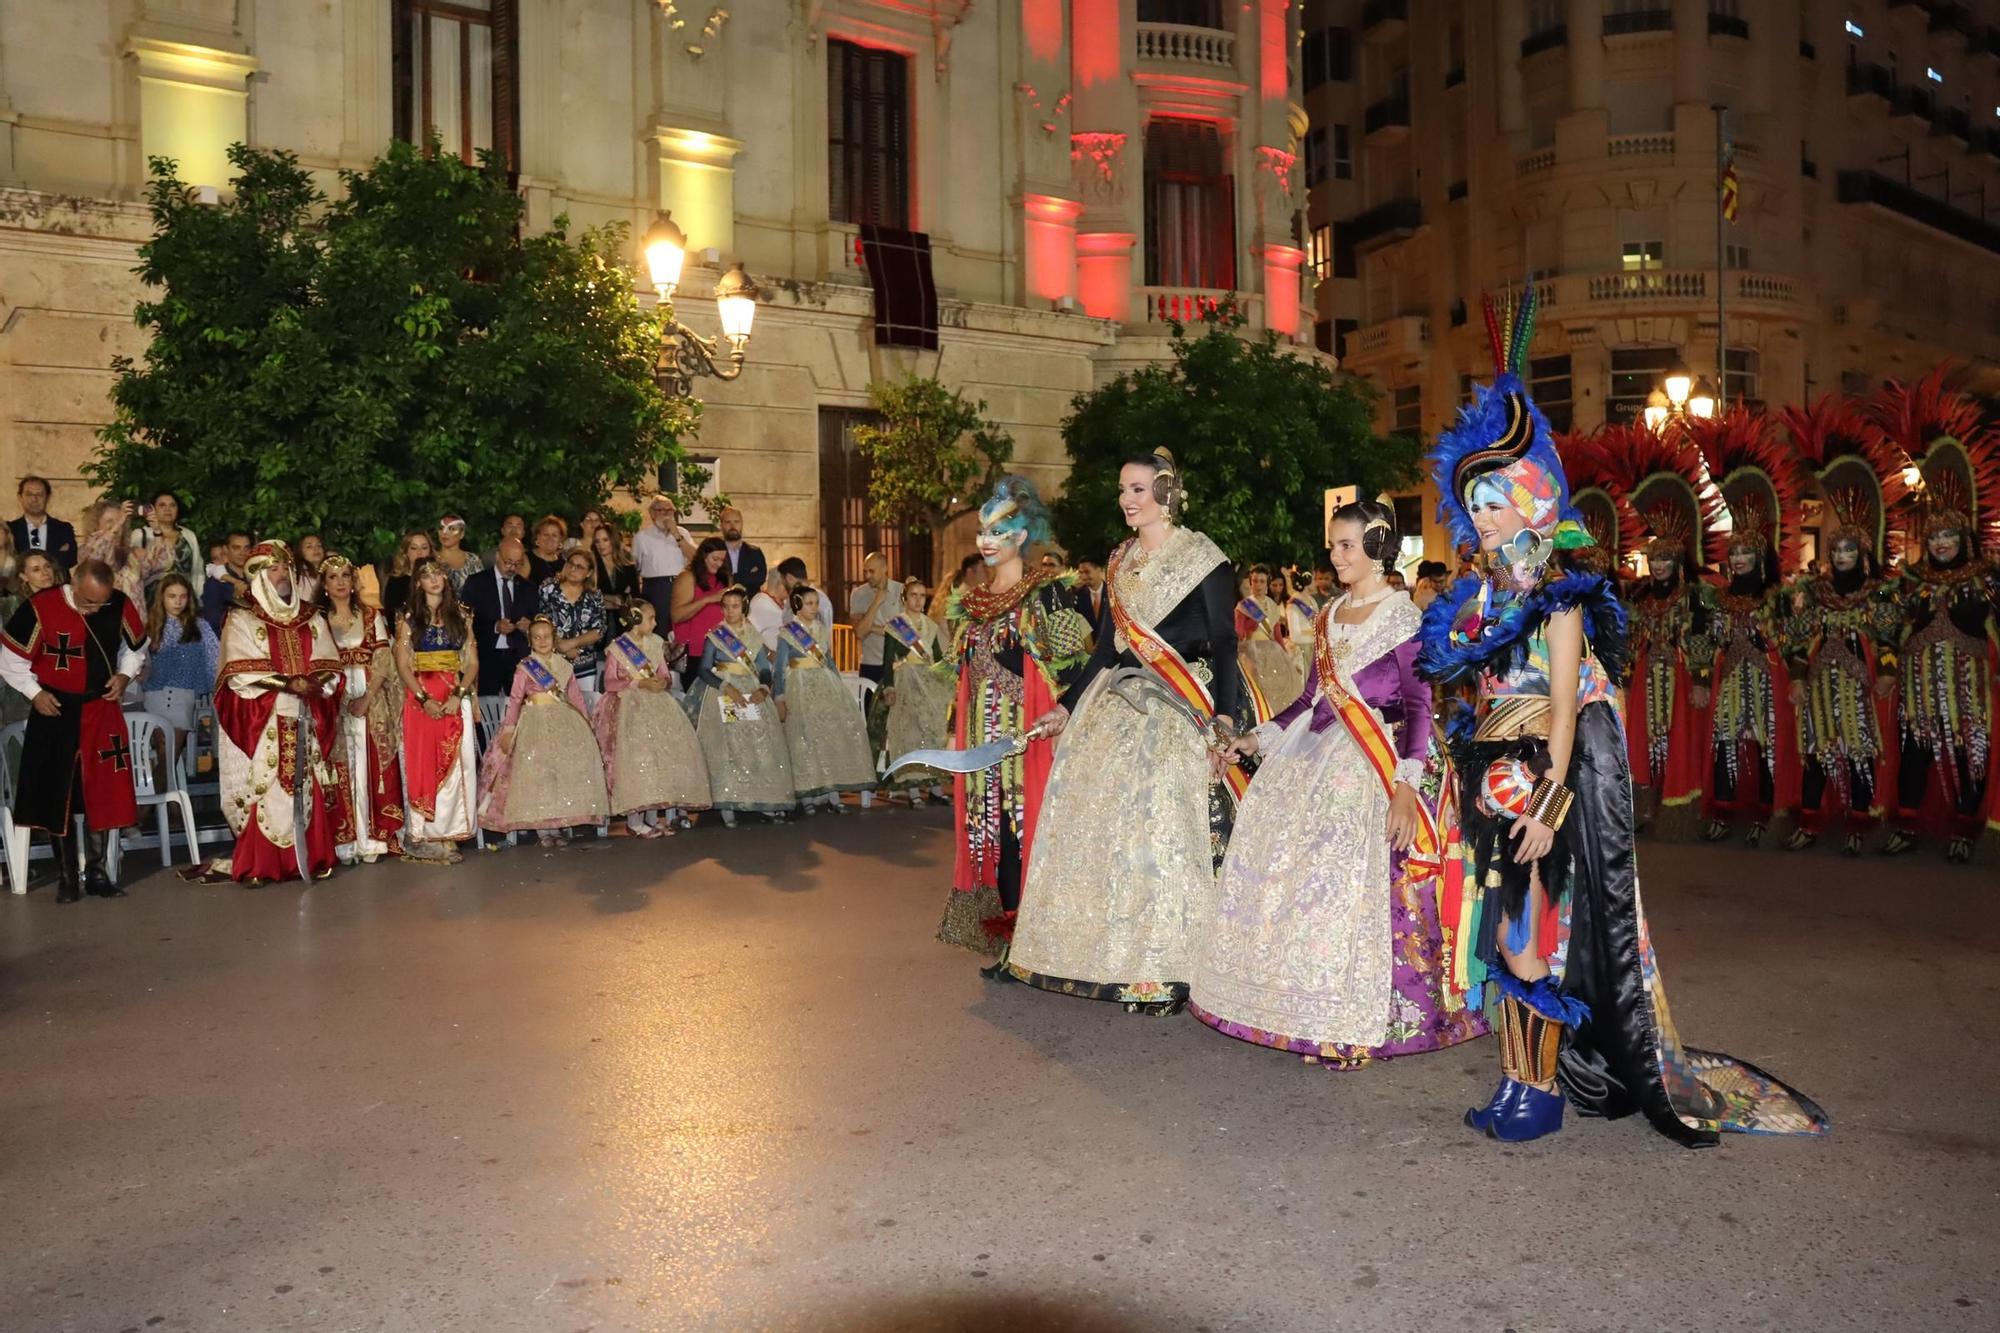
[(1320, 945)]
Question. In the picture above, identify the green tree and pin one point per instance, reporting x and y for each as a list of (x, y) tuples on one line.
[(934, 455), (361, 366), (1259, 435)]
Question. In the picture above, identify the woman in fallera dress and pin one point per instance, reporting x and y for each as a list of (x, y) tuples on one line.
[(1326, 940), (742, 737), (544, 771), (652, 760), (1135, 820), (917, 690), (825, 732), (1554, 915), (1266, 660), (368, 801)]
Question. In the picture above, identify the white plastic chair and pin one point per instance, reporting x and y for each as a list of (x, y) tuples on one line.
[(862, 687), (142, 730), (13, 840), (492, 713)]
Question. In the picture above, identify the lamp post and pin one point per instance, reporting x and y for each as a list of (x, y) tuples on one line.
[(1678, 397), (685, 354)]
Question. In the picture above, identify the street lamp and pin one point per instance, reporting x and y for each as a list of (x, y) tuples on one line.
[(685, 354), (1678, 397)]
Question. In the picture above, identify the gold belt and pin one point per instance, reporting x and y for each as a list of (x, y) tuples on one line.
[(1514, 716), (439, 659), (546, 697)]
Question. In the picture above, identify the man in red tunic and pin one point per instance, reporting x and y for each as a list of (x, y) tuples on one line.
[(277, 706), (72, 651)]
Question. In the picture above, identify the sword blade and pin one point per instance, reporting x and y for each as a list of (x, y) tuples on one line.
[(302, 802), (960, 761)]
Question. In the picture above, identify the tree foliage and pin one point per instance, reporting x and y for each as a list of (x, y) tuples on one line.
[(1258, 435), (364, 365), (934, 455)]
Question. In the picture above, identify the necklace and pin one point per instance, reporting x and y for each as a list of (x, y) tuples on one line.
[(1371, 598)]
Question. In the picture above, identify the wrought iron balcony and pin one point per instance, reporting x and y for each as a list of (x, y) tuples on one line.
[(1868, 187), (1644, 20), (1388, 221), (1388, 119), (1548, 39), (1868, 79)]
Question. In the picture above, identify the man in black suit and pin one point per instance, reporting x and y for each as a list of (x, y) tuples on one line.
[(36, 531), (1089, 594), (746, 562), (502, 603)]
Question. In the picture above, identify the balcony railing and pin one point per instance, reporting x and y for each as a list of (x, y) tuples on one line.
[(1868, 187), (1547, 293), (1950, 18), (1660, 144), (1912, 103), (1182, 305), (1772, 288), (1385, 221), (1727, 25), (1455, 191), (1645, 20), (1548, 39), (1983, 41), (1678, 285), (1389, 116), (1542, 159), (1953, 122), (1181, 44), (1404, 335)]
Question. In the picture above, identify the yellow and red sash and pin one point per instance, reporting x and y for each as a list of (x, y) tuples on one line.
[(1172, 669)]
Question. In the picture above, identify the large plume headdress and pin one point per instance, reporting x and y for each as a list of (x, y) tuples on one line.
[(1940, 432), (1502, 441), (1600, 488), (1662, 473), (1860, 474), (1761, 481)]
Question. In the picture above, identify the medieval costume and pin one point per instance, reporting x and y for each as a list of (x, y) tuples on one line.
[(1326, 940), (277, 716), (1639, 492), (825, 732), (79, 761), (1268, 665), (440, 765), (1841, 629), (544, 772), (368, 801), (920, 684), (1014, 648), (652, 760), (1950, 600), (1580, 1003), (1136, 820), (742, 738), (1753, 738)]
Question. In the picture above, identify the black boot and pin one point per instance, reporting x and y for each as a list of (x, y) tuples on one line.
[(95, 882), (69, 886)]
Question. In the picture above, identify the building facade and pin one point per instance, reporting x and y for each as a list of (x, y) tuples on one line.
[(1459, 147), (1081, 171)]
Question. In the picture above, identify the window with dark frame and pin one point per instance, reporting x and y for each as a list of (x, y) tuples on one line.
[(1549, 384), (1635, 373), (455, 69), (1343, 153), (1317, 161), (1740, 377), (1190, 207), (1319, 252), (868, 135), (1408, 418), (1186, 13), (846, 533), (1326, 56)]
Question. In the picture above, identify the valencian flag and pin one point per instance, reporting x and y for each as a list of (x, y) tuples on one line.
[(1731, 187)]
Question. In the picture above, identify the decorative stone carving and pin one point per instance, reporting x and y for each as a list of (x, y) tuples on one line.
[(1095, 161), (696, 40), (1048, 114)]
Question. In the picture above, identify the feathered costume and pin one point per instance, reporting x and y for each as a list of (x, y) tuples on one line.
[(1753, 728), (1950, 615), (1671, 615), (1841, 625), (1598, 1023)]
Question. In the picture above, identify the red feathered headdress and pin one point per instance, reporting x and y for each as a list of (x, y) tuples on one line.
[(1761, 480)]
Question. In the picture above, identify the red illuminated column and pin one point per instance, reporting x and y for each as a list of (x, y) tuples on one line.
[(1282, 265), (1104, 273), (1051, 232)]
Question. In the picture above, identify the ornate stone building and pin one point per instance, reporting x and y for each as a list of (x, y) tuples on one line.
[(1459, 146), (1080, 170)]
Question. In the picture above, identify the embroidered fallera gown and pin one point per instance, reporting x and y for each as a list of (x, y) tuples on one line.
[(749, 764), (920, 717), (1132, 827), (1326, 941), (652, 758), (825, 731), (554, 778)]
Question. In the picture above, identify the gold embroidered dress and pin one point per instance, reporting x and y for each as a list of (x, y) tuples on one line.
[(825, 730), (920, 717), (1124, 880), (652, 760)]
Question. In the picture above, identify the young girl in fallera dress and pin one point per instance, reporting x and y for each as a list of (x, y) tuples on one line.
[(544, 771), (917, 692), (652, 759), (742, 738), (824, 728)]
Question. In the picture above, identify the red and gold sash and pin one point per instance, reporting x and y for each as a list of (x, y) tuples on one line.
[(1171, 668)]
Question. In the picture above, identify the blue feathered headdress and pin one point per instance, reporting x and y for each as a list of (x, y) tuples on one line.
[(1501, 434)]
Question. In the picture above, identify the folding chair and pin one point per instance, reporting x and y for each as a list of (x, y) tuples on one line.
[(161, 789)]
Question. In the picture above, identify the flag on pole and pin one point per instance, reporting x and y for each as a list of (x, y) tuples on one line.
[(1731, 187)]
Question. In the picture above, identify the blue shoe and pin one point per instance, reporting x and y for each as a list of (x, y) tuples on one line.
[(1533, 1114), (1481, 1117)]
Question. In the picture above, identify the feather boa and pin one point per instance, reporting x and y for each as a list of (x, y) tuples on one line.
[(1500, 642)]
